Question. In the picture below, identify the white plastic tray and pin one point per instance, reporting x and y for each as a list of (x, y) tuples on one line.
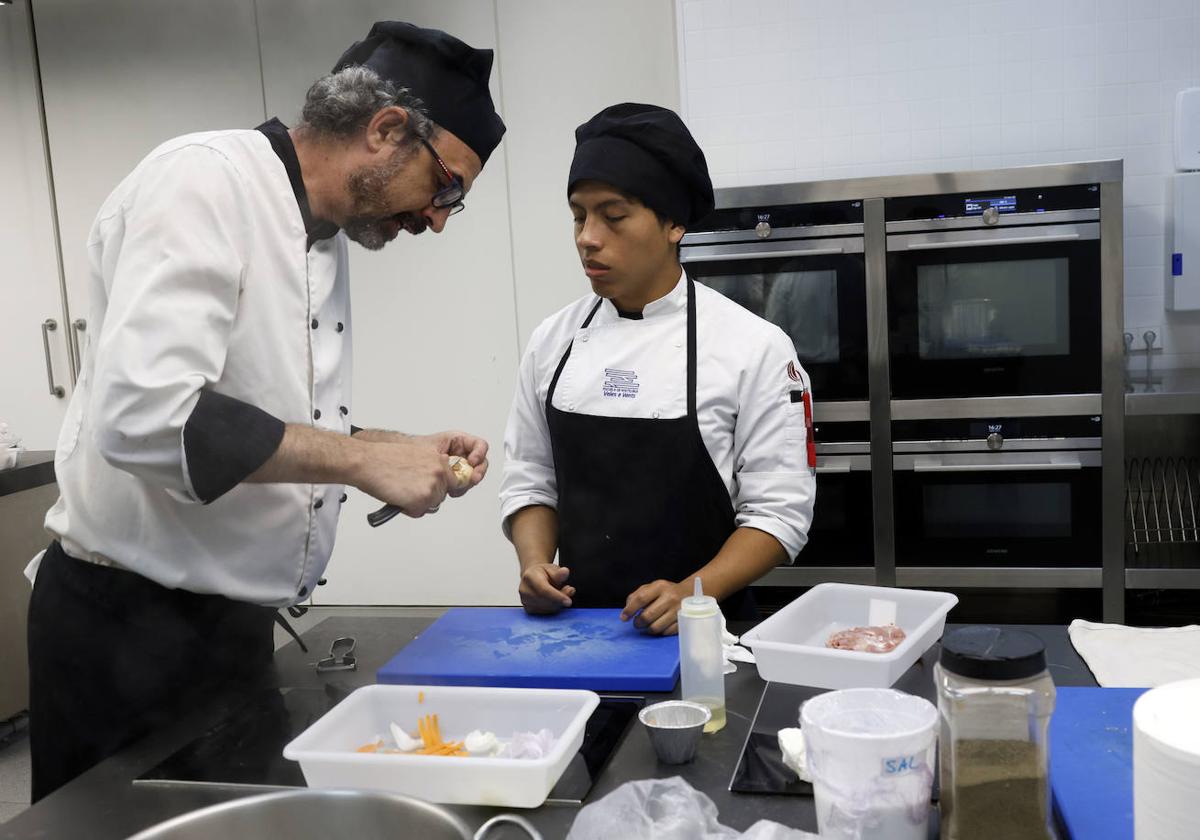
[(790, 645), (326, 750)]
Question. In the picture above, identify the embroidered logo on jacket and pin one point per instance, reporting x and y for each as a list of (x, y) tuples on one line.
[(622, 384), (793, 372)]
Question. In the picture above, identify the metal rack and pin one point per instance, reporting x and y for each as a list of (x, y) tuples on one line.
[(1162, 521)]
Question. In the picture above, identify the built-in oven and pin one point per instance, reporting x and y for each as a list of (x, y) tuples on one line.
[(801, 267), (1010, 492), (841, 530), (994, 295)]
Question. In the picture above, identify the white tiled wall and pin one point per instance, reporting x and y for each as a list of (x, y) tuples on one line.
[(800, 90)]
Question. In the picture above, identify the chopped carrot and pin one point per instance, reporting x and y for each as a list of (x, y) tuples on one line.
[(420, 696), (432, 743)]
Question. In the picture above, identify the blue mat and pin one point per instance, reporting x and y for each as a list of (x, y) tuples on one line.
[(591, 649), (1091, 761)]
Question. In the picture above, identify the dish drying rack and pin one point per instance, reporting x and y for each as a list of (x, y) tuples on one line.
[(1162, 503)]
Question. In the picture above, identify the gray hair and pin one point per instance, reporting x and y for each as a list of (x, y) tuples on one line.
[(342, 103)]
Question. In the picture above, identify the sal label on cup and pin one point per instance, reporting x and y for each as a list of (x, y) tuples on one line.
[(901, 764)]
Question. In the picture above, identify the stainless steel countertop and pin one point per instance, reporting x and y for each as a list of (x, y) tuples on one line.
[(35, 468), (1170, 391), (103, 804)]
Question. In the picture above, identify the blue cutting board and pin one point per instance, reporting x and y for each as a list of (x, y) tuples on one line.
[(1091, 761), (577, 648)]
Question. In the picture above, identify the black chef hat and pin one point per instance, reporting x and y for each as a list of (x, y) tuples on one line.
[(450, 77), (647, 152)]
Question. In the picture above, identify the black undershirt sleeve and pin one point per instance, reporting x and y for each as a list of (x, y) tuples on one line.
[(224, 441)]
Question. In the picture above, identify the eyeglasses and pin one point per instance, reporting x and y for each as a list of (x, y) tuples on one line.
[(450, 196)]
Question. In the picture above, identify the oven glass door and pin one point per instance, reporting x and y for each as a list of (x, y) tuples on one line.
[(995, 313), (841, 533), (1004, 510), (818, 298)]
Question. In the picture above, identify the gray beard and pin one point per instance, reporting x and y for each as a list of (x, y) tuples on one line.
[(367, 232), (367, 187)]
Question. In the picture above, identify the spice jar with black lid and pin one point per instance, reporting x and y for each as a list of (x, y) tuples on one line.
[(995, 698)]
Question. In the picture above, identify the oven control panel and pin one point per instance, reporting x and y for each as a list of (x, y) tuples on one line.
[(990, 206), (997, 433), (763, 219)]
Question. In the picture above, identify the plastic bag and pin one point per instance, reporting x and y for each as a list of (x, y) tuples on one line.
[(530, 744), (666, 809)]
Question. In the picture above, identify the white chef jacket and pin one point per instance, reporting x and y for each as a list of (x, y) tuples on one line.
[(200, 279), (753, 430)]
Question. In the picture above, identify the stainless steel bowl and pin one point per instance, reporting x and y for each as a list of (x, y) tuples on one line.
[(324, 814), (675, 727)]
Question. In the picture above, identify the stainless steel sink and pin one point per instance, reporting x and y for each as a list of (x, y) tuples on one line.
[(325, 814)]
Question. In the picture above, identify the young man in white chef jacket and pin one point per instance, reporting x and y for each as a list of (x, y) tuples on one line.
[(203, 457), (659, 431)]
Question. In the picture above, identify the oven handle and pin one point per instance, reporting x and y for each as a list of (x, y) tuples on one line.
[(974, 243), (758, 255), (935, 465), (835, 467)]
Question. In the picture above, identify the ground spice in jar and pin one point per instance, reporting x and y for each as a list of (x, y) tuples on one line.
[(999, 792)]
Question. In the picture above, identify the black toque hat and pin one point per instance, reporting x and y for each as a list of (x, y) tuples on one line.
[(645, 151), (450, 77)]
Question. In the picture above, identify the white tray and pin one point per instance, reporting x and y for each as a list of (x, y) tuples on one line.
[(326, 750), (790, 645)]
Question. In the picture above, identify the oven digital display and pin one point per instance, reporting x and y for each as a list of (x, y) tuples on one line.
[(1002, 203), (1011, 429)]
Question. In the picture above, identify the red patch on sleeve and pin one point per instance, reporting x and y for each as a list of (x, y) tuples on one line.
[(808, 429)]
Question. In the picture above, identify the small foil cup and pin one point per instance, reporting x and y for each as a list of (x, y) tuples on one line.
[(675, 727)]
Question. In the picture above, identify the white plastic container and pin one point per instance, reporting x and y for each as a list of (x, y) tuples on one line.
[(701, 659), (790, 645), (1166, 762), (326, 750), (871, 755)]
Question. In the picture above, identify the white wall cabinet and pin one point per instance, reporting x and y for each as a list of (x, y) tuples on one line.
[(29, 283), (122, 76)]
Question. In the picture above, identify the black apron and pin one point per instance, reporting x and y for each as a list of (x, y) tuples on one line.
[(638, 499)]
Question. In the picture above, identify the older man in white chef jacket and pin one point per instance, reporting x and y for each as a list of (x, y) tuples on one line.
[(205, 450)]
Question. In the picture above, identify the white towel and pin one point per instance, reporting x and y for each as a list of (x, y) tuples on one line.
[(732, 649), (1137, 657)]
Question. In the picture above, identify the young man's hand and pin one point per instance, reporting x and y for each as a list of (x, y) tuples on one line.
[(544, 588), (658, 602)]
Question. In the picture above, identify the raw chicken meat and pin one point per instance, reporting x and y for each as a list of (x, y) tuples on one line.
[(867, 639)]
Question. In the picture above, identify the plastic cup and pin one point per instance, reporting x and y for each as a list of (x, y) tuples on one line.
[(871, 755)]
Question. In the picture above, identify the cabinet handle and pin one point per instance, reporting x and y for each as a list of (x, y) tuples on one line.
[(48, 326), (78, 326)]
